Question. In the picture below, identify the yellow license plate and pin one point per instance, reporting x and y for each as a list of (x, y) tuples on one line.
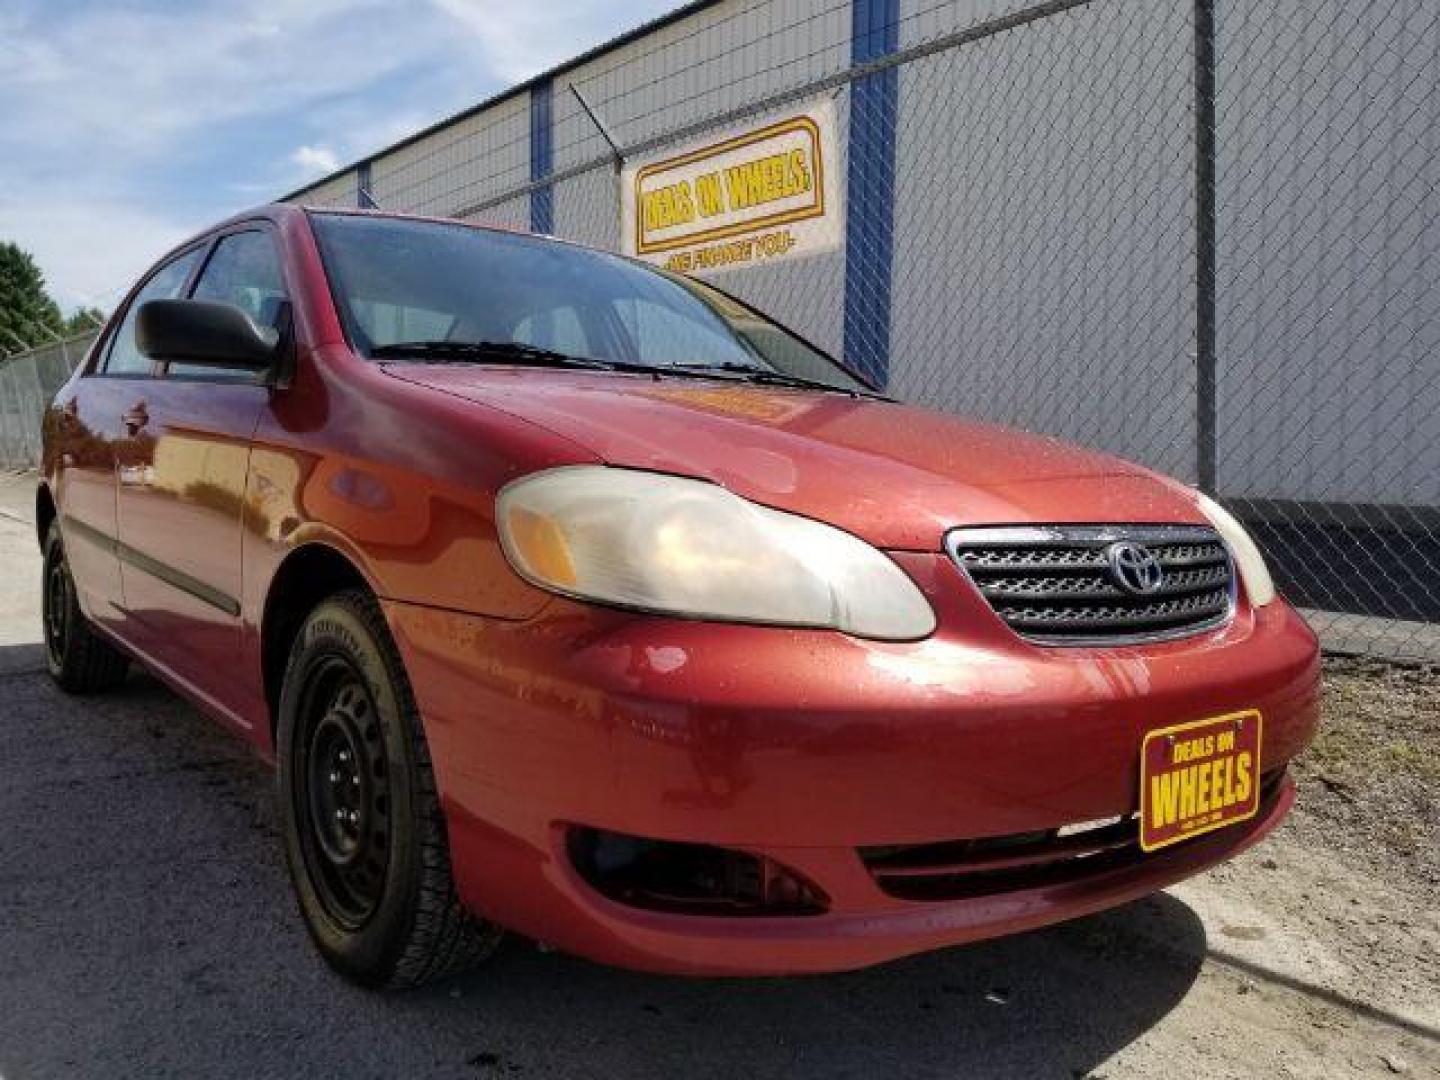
[(1198, 777)]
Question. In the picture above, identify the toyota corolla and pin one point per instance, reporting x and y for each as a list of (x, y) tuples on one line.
[(580, 599)]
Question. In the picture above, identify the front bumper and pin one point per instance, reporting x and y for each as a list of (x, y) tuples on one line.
[(806, 746)]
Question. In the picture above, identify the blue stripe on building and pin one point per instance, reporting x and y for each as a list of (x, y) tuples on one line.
[(362, 187), (870, 198), (542, 157)]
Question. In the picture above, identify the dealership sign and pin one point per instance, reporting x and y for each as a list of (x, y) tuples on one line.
[(756, 194)]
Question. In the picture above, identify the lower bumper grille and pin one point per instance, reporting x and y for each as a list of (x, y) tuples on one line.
[(1105, 585), (965, 869)]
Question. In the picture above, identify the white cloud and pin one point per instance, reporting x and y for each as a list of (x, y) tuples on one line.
[(522, 40), (124, 127), (315, 160), (130, 81), (91, 251)]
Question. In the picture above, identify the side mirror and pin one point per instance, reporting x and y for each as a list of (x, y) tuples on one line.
[(204, 332)]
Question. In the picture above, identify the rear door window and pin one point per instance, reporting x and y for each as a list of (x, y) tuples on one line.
[(243, 271)]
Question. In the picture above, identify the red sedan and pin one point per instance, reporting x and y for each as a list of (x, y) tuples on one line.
[(580, 599)]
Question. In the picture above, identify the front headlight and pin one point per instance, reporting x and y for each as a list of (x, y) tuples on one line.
[(686, 547), (1259, 586)]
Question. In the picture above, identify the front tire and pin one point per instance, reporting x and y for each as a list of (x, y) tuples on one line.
[(78, 658), (364, 833)]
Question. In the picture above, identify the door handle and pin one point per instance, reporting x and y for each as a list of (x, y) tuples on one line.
[(136, 418)]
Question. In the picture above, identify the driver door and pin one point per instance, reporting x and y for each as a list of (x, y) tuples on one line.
[(181, 493)]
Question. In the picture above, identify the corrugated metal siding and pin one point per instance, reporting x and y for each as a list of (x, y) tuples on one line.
[(1043, 268), (1328, 293), (513, 213), (460, 166), (587, 208), (337, 191), (722, 58), (925, 20)]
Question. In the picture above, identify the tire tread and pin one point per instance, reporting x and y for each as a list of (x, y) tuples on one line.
[(444, 939)]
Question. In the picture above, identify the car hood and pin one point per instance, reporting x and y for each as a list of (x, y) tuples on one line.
[(896, 475)]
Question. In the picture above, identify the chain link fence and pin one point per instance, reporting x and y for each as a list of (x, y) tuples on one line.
[(28, 380), (1200, 234), (1327, 342)]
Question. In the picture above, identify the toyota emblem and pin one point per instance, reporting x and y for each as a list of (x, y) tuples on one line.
[(1135, 568)]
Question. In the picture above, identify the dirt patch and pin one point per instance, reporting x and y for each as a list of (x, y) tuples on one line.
[(1370, 783)]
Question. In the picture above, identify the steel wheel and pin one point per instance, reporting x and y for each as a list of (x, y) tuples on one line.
[(58, 600), (342, 793), (365, 835), (79, 660)]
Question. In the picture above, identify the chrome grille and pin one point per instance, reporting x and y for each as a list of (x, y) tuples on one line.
[(1054, 584)]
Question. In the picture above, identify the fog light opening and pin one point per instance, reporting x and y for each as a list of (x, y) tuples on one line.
[(689, 879)]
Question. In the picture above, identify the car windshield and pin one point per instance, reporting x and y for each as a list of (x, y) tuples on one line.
[(441, 292)]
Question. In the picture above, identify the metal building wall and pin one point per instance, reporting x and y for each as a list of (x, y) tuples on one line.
[(338, 190), (1044, 252), (926, 20), (720, 60), (460, 166), (1328, 285)]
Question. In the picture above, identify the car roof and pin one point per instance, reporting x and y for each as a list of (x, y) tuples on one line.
[(278, 213)]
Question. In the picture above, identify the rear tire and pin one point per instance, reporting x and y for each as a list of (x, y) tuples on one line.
[(365, 837), (79, 659)]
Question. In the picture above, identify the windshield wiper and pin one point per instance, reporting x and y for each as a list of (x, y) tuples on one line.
[(502, 352), (517, 352), (769, 377)]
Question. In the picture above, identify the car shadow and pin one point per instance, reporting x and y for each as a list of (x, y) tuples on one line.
[(149, 928), (1056, 1002)]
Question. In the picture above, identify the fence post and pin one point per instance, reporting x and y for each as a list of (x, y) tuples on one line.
[(1205, 226), (10, 443), (32, 407)]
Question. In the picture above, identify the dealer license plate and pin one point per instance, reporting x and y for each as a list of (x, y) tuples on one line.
[(1198, 777)]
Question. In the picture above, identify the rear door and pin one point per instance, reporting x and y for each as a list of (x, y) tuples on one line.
[(181, 495), (92, 436)]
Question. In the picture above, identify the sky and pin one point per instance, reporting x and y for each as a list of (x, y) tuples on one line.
[(127, 126)]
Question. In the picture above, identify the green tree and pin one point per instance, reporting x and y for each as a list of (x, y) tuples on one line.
[(26, 309), (83, 320)]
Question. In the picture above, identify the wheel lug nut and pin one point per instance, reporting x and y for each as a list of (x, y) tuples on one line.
[(334, 777), (339, 815)]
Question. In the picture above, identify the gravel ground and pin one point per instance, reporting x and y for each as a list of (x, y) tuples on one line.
[(1370, 784), (147, 929)]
